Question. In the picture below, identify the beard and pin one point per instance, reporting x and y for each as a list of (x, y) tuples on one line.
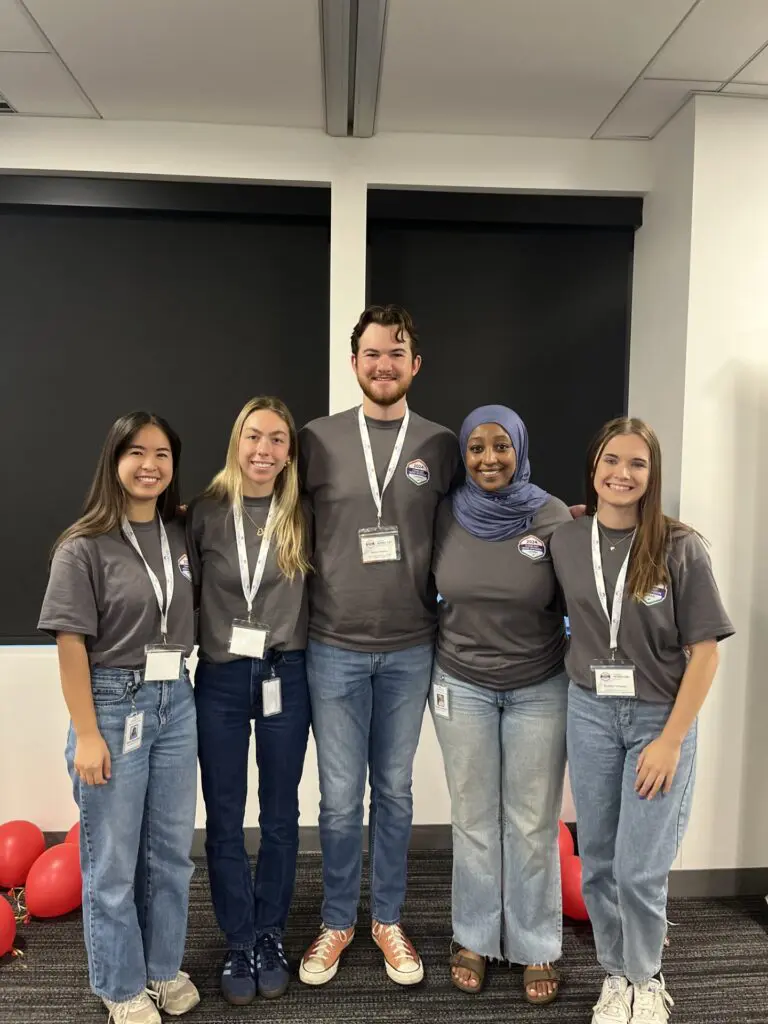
[(391, 396)]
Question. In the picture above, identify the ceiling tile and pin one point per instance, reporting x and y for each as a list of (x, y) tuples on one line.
[(757, 71), (38, 83), (17, 30), (714, 41), (648, 106), (746, 89)]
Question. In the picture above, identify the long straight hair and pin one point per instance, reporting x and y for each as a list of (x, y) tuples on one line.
[(289, 530), (648, 558), (107, 501)]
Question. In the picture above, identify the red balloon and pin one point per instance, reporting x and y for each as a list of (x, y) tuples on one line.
[(573, 900), (565, 841), (21, 843), (7, 927), (55, 885), (73, 836)]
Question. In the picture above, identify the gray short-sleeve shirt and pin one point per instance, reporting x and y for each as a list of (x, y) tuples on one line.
[(280, 604), (392, 605), (654, 631), (99, 588), (500, 618)]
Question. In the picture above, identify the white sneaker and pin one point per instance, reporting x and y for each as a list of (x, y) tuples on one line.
[(652, 1002), (175, 996), (615, 1003), (139, 1010)]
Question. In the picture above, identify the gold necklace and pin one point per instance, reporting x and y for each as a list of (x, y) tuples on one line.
[(259, 529), (608, 540)]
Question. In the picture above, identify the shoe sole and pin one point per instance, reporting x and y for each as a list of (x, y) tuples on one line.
[(179, 1013), (238, 1000), (275, 993), (402, 977)]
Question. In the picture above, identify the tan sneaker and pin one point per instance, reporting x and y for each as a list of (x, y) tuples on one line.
[(139, 1010), (321, 961), (401, 960), (176, 996)]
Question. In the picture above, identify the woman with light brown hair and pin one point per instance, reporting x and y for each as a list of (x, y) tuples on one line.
[(646, 618), (248, 541)]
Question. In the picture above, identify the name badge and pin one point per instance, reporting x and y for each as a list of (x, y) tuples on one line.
[(134, 730), (614, 679), (441, 701), (379, 544), (248, 639), (271, 697), (163, 663)]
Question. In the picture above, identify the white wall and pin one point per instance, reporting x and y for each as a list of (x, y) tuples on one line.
[(34, 717)]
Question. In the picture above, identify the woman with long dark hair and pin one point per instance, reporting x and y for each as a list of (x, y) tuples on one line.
[(248, 544), (119, 603), (646, 618)]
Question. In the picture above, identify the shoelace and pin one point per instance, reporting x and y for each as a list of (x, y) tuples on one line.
[(270, 954), (323, 944), (614, 1003), (161, 991), (646, 1001), (394, 936), (119, 1012), (239, 963)]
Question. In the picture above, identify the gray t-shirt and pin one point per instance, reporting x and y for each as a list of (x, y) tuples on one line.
[(387, 606), (654, 631), (99, 588), (501, 617), (280, 604)]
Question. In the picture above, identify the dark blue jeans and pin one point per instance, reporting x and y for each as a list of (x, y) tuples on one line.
[(228, 697)]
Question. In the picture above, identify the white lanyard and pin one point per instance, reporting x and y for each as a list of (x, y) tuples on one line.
[(618, 595), (165, 548), (378, 495), (251, 587)]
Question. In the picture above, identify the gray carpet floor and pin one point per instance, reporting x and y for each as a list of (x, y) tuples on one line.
[(716, 966)]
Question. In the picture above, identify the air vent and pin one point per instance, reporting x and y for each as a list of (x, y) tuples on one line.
[(5, 106)]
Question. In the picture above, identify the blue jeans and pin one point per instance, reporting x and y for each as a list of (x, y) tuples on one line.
[(229, 696), (367, 711), (504, 757), (136, 834), (627, 844)]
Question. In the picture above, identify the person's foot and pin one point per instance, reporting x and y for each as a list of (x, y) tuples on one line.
[(542, 983), (139, 1010), (238, 977), (615, 1003), (272, 971), (652, 1002), (402, 962), (321, 961), (176, 996), (468, 979)]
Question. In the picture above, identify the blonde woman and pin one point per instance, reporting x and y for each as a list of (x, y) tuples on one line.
[(248, 542)]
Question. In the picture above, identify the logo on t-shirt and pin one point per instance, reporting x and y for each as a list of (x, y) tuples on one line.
[(532, 547), (417, 472), (184, 568), (656, 595)]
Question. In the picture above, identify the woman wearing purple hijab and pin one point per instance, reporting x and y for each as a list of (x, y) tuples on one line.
[(499, 702)]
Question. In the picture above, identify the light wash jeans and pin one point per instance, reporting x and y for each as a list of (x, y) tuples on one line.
[(367, 711), (504, 755), (627, 844), (136, 834)]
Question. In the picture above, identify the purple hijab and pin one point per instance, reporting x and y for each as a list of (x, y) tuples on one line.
[(508, 512)]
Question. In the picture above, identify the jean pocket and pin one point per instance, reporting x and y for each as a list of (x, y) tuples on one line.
[(292, 657), (105, 694)]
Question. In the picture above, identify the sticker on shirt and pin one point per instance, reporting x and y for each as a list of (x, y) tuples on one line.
[(656, 595), (417, 472), (184, 568), (533, 548)]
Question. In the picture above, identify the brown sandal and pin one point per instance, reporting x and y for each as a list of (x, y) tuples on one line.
[(475, 965), (532, 975)]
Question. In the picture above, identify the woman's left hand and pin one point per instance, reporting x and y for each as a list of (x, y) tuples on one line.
[(656, 767)]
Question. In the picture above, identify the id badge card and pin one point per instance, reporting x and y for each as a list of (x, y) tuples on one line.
[(271, 697), (440, 700), (134, 730), (248, 639), (614, 678), (379, 544), (163, 663)]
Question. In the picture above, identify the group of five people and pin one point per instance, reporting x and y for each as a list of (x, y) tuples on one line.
[(343, 578)]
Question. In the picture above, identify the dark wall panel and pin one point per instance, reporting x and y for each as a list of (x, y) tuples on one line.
[(533, 317), (186, 315)]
